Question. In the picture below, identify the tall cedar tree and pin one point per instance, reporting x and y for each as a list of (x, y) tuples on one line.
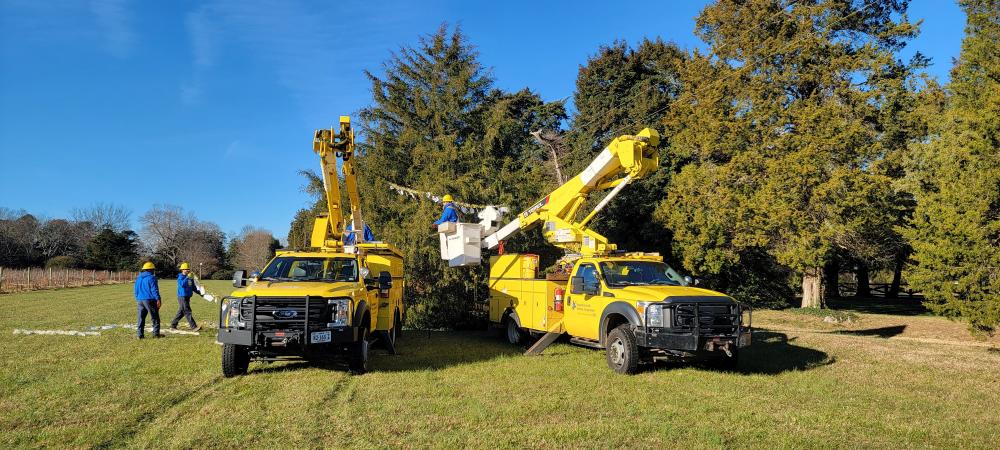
[(437, 125), (786, 129), (621, 91), (955, 231)]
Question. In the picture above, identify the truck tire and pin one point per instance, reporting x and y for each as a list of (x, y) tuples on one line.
[(513, 333), (235, 360), (622, 351), (358, 359)]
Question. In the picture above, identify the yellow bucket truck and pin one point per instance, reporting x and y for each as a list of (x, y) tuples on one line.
[(332, 299), (631, 304)]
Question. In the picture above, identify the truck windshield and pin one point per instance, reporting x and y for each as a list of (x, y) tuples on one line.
[(639, 273), (296, 268)]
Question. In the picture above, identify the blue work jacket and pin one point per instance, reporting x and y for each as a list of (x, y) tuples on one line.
[(448, 215), (185, 285), (349, 237), (146, 287)]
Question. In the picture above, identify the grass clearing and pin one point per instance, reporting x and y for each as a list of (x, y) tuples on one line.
[(824, 385)]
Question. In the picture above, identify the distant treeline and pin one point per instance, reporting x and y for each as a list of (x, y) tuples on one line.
[(100, 237), (797, 146)]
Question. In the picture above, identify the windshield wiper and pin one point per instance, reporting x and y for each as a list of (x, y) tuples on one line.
[(277, 279)]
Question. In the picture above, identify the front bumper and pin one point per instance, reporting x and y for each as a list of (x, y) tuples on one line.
[(688, 342), (306, 326), (286, 338)]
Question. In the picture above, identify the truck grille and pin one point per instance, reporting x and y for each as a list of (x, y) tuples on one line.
[(713, 319), (285, 313)]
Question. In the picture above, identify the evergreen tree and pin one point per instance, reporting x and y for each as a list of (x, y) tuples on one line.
[(111, 250), (436, 124), (785, 131), (955, 231)]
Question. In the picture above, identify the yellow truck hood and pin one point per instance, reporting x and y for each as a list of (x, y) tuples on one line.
[(298, 289), (657, 293)]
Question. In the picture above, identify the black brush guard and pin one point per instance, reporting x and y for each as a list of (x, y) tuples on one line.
[(699, 324), (283, 324)]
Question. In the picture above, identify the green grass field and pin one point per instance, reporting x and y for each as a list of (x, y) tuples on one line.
[(884, 381)]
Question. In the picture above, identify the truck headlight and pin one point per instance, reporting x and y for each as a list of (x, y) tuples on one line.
[(654, 316), (231, 312), (338, 311)]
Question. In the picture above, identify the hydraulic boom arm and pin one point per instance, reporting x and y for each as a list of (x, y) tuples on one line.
[(625, 159), (328, 230)]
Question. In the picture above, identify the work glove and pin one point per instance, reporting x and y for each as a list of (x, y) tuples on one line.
[(201, 290), (209, 297)]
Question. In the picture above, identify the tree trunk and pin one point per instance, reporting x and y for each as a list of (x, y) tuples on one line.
[(897, 275), (864, 288), (831, 279), (812, 293)]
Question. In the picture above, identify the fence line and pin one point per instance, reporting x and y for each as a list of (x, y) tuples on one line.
[(877, 290), (35, 278)]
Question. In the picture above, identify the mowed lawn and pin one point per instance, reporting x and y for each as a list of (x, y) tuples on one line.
[(881, 381)]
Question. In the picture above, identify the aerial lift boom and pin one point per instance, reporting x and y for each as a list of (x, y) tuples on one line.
[(624, 160), (329, 230)]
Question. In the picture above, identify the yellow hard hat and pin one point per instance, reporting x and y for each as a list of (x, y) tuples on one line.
[(148, 266), (185, 266), (448, 198)]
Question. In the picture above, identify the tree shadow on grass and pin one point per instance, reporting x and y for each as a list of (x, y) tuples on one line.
[(884, 332)]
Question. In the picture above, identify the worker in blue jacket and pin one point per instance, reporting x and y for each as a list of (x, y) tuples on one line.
[(450, 212), (350, 238), (186, 287), (147, 298)]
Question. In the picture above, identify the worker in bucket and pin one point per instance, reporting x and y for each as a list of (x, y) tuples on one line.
[(147, 299), (186, 287), (450, 212), (349, 235)]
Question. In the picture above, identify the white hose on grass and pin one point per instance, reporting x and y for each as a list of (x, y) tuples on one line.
[(58, 332), (96, 331)]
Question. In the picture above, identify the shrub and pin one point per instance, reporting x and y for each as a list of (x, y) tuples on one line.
[(61, 262)]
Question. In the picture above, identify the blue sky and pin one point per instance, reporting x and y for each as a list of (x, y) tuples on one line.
[(211, 105)]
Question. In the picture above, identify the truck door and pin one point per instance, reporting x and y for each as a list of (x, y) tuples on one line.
[(581, 310)]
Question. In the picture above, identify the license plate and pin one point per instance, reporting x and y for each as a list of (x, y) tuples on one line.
[(319, 337)]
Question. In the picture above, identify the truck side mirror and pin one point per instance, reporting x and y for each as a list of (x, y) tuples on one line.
[(384, 284), (384, 280), (576, 285), (238, 280)]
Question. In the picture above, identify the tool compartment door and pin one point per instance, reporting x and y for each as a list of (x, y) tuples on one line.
[(384, 308)]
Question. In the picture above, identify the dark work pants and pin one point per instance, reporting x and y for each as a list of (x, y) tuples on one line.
[(149, 306), (183, 310)]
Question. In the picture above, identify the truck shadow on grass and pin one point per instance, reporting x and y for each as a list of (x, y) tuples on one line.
[(416, 350), (771, 353), (435, 350)]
